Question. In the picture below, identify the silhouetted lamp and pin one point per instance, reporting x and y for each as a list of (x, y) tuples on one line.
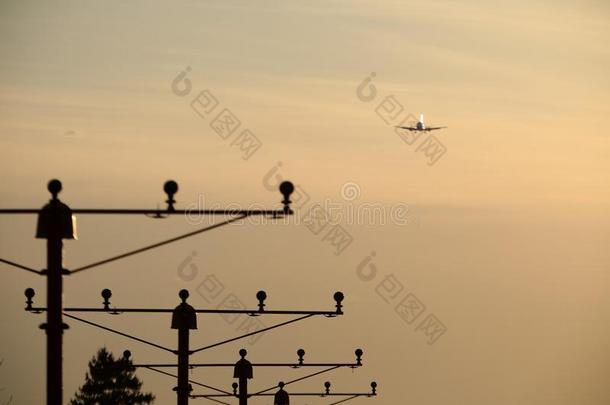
[(281, 397), (126, 360), (374, 388), (359, 356), (327, 387), (301, 353), (261, 296), (106, 294), (234, 386), (339, 299), (29, 294), (184, 315), (55, 219), (243, 368), (170, 187), (286, 188)]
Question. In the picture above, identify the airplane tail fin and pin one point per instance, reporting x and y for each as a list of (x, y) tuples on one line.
[(421, 118)]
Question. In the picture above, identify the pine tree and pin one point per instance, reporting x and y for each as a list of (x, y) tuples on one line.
[(111, 381)]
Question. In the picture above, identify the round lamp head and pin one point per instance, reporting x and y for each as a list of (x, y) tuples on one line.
[(106, 294), (183, 294), (29, 293), (261, 295), (54, 187), (170, 187), (286, 188), (338, 296)]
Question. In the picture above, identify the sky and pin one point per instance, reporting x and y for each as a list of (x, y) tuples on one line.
[(496, 226)]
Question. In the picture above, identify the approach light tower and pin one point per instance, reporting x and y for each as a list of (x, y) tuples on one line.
[(56, 222), (184, 320)]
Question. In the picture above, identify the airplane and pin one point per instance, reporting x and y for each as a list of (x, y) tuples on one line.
[(420, 126)]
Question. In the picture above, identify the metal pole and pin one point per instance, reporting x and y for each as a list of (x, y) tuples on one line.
[(55, 222), (184, 318), (243, 391), (243, 371), (54, 325), (183, 366)]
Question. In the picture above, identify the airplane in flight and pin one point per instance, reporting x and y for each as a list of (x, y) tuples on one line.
[(420, 126)]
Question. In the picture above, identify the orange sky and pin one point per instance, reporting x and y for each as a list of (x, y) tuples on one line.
[(506, 235)]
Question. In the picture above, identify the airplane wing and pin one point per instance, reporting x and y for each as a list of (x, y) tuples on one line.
[(433, 128), (409, 128)]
